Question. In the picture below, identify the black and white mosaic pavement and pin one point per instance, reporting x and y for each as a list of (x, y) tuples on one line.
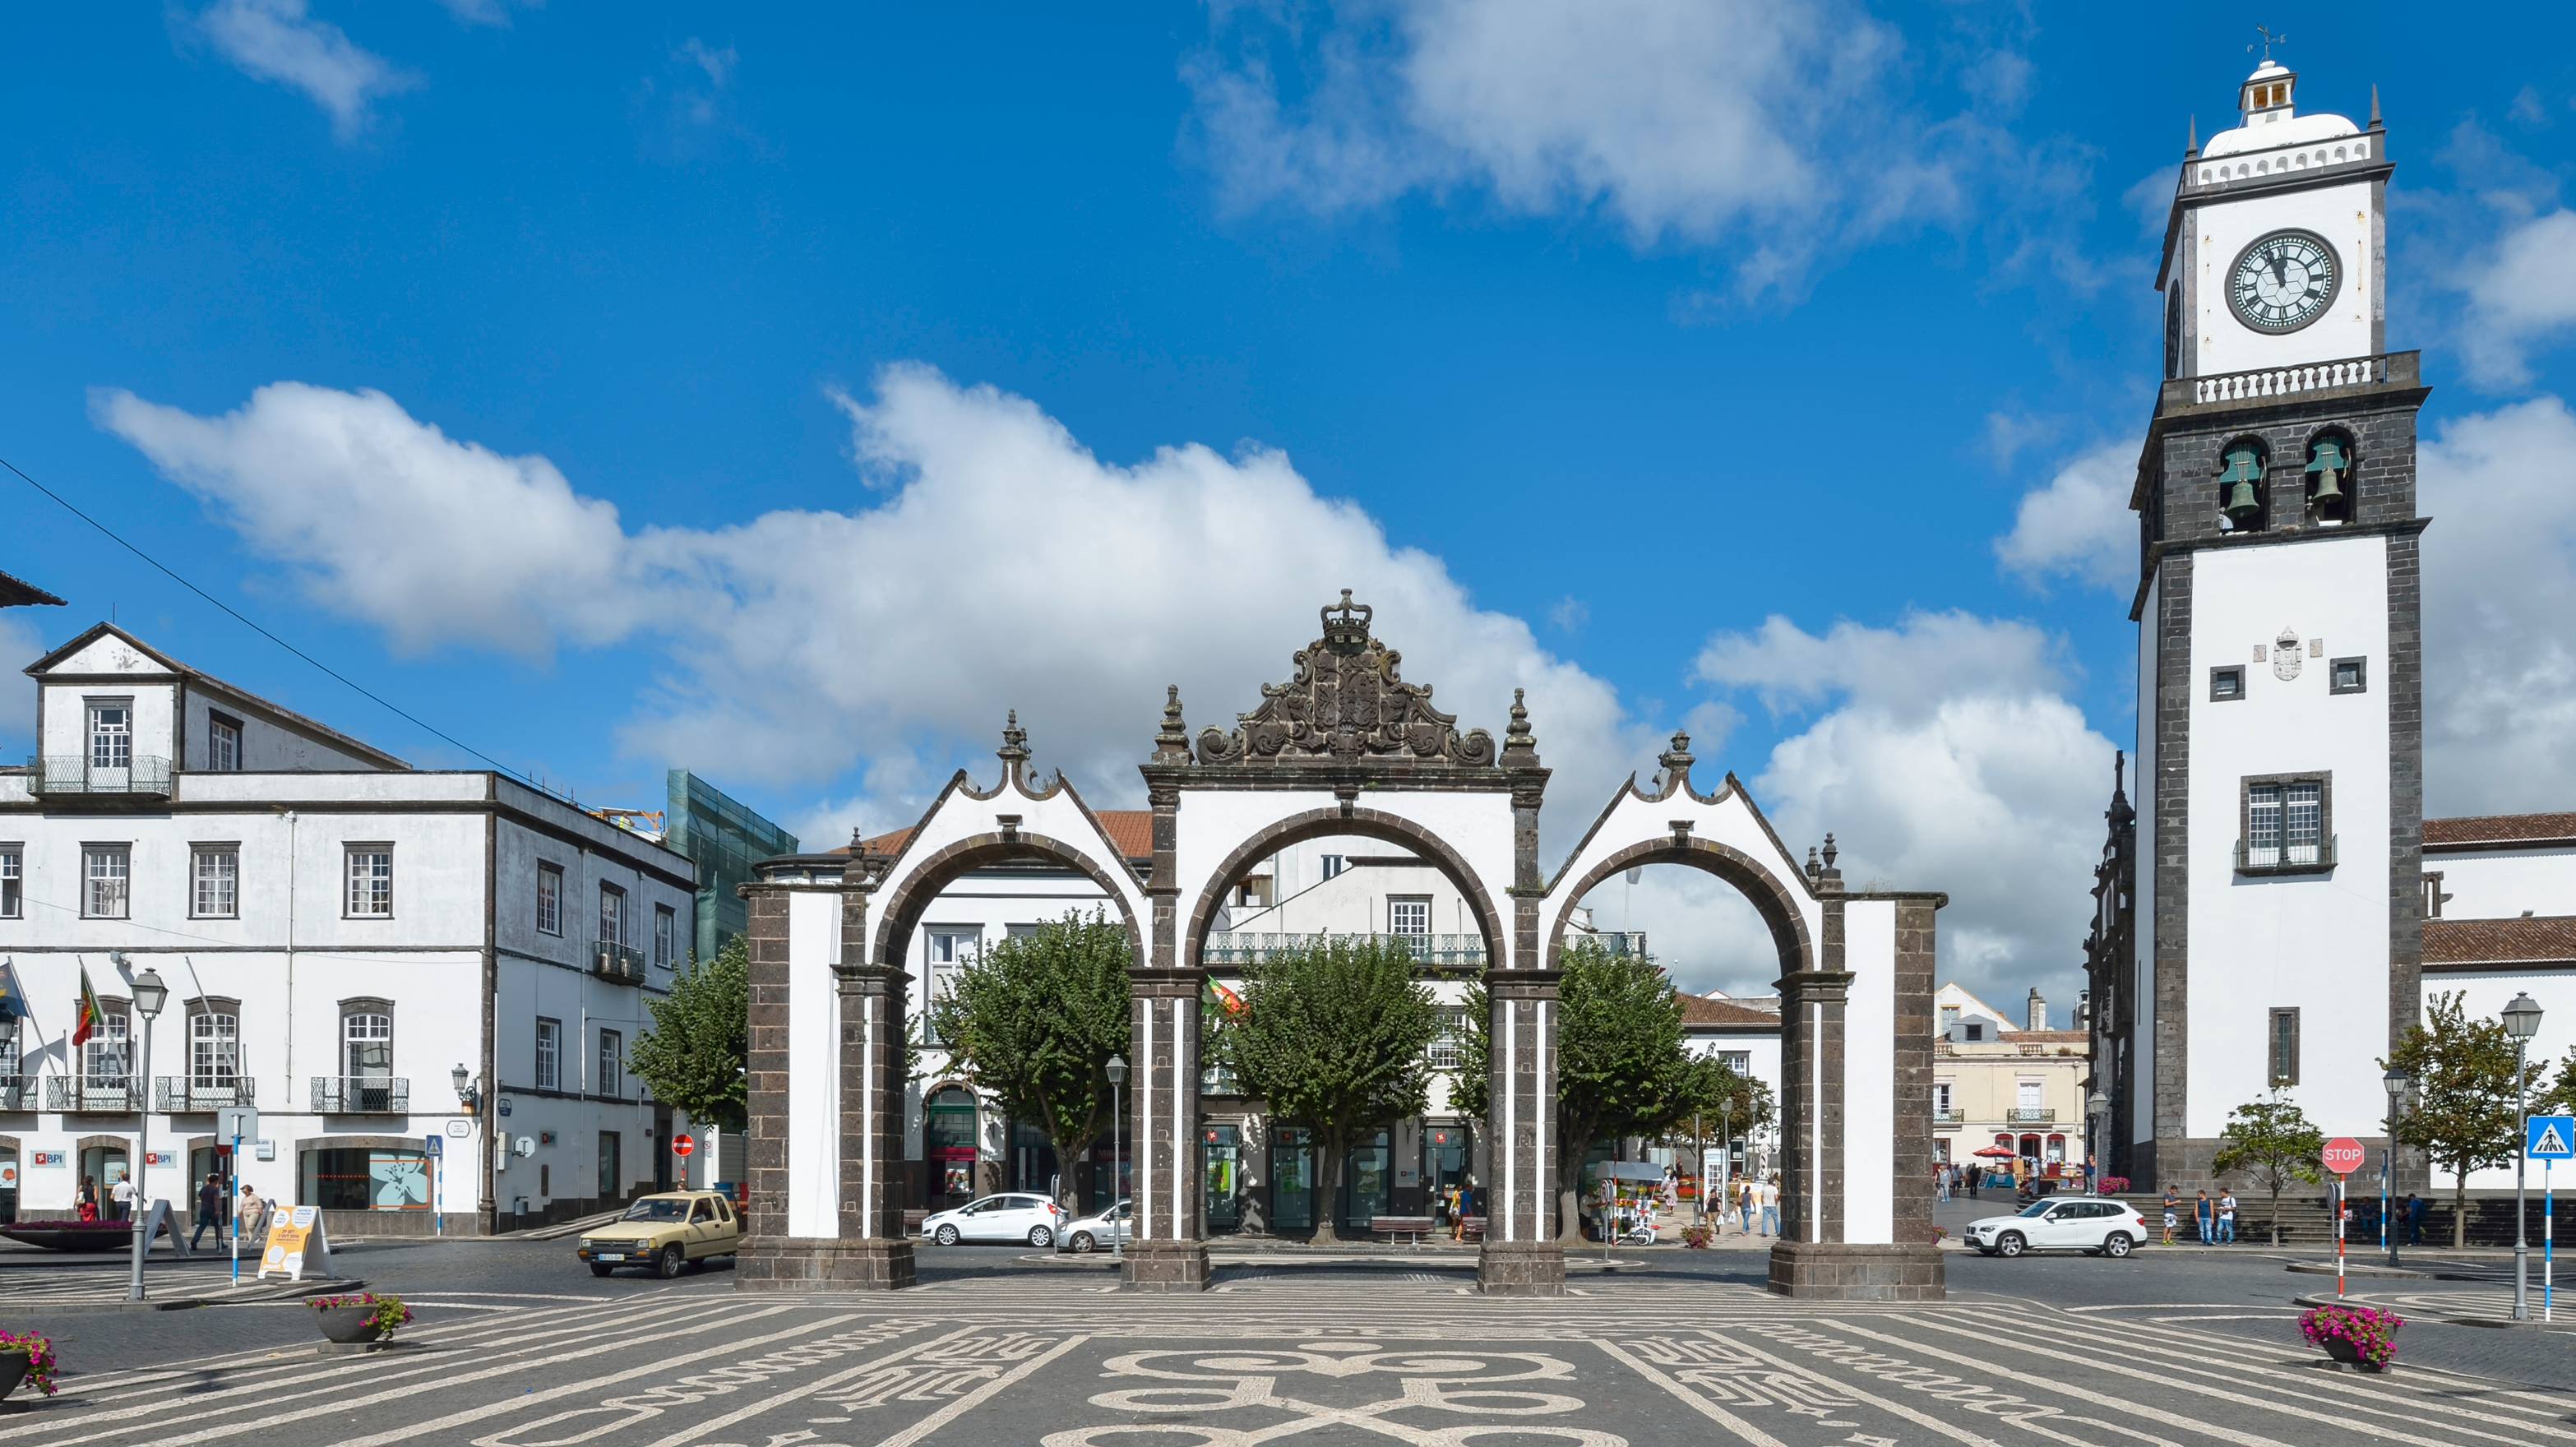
[(1312, 1360)]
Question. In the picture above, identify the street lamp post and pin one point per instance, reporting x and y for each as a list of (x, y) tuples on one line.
[(149, 995), (2521, 1021), (1116, 1070), (2397, 1082)]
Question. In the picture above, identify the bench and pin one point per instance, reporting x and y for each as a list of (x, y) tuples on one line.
[(1416, 1227)]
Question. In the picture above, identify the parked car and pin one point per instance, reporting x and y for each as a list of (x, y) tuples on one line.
[(668, 1232), (1099, 1229), (2089, 1224), (1015, 1217)]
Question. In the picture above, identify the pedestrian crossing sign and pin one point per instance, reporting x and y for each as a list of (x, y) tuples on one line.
[(2552, 1138)]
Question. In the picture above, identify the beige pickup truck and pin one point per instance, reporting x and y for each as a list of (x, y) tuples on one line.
[(667, 1232)]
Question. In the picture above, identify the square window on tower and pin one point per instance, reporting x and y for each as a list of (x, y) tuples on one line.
[(2227, 684), (2349, 675)]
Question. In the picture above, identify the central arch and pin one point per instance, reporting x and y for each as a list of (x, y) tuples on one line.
[(923, 882), (1326, 823)]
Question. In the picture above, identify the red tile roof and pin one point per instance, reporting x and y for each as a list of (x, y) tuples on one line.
[(1701, 1010), (2549, 939), (2500, 829), (1132, 830)]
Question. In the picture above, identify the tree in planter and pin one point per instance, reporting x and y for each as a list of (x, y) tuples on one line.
[(696, 1055), (2464, 1118), (2275, 1144), (1621, 1067), (1336, 1037), (1033, 1021)]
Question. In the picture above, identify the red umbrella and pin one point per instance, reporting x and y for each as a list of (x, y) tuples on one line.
[(2001, 1153)]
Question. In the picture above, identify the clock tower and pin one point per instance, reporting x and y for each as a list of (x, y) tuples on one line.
[(2277, 921)]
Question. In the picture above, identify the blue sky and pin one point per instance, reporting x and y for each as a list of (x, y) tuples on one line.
[(786, 394)]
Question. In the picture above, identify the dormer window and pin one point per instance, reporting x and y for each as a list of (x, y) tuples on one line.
[(2330, 477), (2240, 487)]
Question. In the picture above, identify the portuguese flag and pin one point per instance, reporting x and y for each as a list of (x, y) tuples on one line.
[(88, 1024)]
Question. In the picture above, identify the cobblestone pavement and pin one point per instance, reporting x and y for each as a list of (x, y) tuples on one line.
[(993, 1351)]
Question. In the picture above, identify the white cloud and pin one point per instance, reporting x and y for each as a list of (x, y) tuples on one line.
[(277, 41), (2499, 586), (21, 643), (2521, 295), (2079, 526), (1907, 671), (1569, 615), (1000, 565), (718, 64), (1948, 758), (1768, 126)]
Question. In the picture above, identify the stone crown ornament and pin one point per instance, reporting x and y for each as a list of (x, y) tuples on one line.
[(1347, 704)]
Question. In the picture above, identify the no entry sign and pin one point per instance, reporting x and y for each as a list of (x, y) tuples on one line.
[(2343, 1155), (681, 1145)]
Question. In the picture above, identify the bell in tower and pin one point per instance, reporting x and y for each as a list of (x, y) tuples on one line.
[(2239, 487), (2328, 463)]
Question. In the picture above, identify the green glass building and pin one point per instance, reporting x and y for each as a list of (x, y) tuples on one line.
[(725, 837)]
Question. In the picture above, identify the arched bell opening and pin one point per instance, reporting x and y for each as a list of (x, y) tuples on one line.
[(2329, 470), (2244, 504)]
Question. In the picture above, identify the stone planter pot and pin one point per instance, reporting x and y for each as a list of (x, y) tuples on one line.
[(349, 1325), (13, 1370), (2350, 1355)]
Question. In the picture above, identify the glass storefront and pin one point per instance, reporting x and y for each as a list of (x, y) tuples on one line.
[(1292, 1182), (365, 1178), (1368, 1183), (1221, 1177), (1446, 1149), (948, 1148)]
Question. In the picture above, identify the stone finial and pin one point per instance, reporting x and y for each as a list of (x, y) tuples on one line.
[(1520, 745), (2191, 146), (2374, 105), (1676, 764), (2119, 775), (1014, 752), (855, 840), (1813, 870), (1831, 853), (1172, 740)]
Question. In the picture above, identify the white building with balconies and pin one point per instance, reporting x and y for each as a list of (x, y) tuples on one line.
[(395, 967)]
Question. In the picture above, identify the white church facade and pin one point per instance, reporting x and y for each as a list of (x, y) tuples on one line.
[(2262, 904)]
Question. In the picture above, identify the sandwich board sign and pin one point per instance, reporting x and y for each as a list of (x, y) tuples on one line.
[(2552, 1138), (295, 1241)]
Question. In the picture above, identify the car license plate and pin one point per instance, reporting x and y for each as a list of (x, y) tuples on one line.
[(610, 1255)]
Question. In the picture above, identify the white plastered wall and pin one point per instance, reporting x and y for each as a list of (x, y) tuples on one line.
[(1869, 1072), (814, 1073)]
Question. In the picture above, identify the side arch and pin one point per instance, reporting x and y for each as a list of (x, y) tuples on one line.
[(1368, 823), (1770, 900), (903, 909)]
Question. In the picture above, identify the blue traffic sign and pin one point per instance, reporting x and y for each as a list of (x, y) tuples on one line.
[(437, 1146), (2552, 1138)]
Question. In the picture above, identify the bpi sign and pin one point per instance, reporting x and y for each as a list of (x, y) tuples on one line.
[(2343, 1155)]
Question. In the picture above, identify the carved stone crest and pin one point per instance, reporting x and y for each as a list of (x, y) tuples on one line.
[(1347, 703), (2286, 655)]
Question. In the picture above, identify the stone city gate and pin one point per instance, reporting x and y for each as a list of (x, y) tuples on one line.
[(1346, 747)]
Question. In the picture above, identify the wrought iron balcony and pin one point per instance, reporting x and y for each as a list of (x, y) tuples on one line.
[(361, 1094), (612, 961), (17, 1092), (1946, 1118), (179, 1094), (1620, 943), (2291, 859), (1246, 947), (2030, 1115), (93, 1094), (67, 775)]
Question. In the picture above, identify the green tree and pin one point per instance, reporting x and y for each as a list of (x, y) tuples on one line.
[(697, 1054), (1336, 1037), (1621, 1066), (1033, 1022), (2561, 1097), (2272, 1141), (2465, 1118)]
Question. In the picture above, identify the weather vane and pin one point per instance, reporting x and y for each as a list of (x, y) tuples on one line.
[(2269, 40)]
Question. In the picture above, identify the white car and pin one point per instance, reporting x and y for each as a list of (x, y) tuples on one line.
[(1015, 1217), (2090, 1224), (1095, 1231)]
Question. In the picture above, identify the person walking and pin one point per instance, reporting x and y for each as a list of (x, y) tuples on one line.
[(253, 1214), (2204, 1218), (1771, 1206), (210, 1209), (2227, 1218), (2173, 1210), (2414, 1219), (122, 1193), (1744, 1204), (85, 1205), (1941, 1182)]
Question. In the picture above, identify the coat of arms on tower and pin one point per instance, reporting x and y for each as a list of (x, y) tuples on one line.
[(1347, 703), (2286, 655)]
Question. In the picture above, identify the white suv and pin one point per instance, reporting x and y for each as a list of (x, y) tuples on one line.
[(2088, 1224)]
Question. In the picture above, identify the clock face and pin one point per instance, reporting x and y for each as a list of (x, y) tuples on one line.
[(2284, 281)]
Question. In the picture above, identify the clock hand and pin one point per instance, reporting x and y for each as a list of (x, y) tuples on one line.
[(2280, 271)]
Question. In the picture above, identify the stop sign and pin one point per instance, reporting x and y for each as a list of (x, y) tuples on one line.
[(681, 1145), (2342, 1155)]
